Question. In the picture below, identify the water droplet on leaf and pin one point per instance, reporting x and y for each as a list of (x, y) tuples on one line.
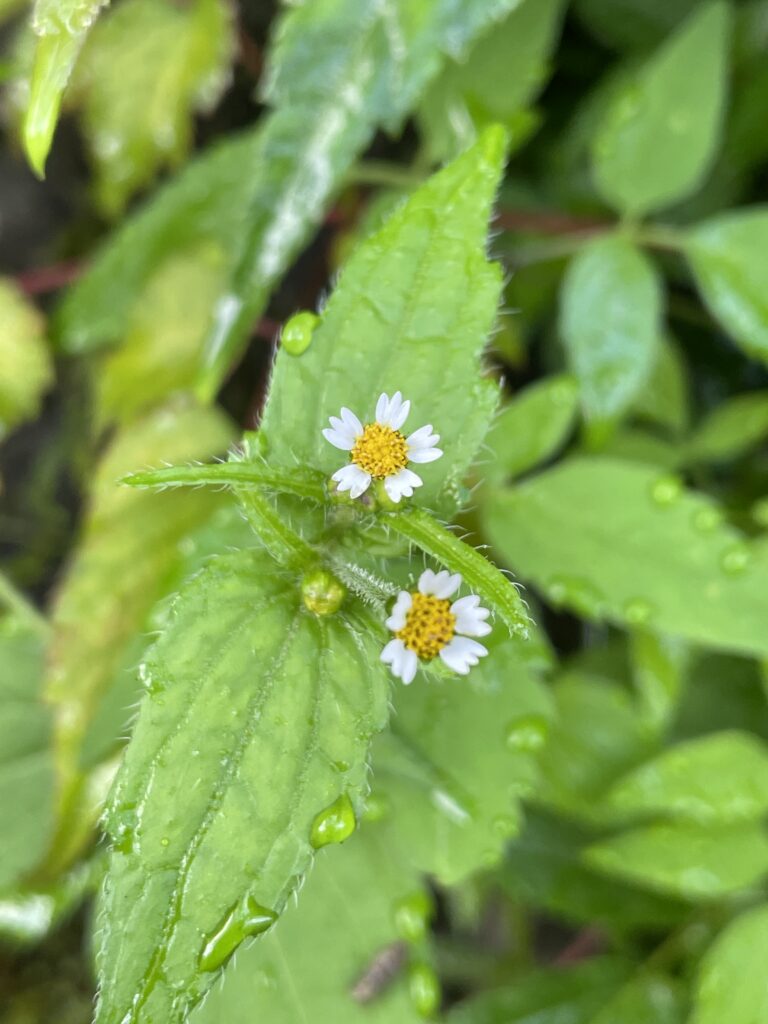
[(321, 592), (527, 733), (296, 335), (637, 611), (577, 593), (736, 559), (666, 490), (334, 824), (412, 915), (247, 918), (424, 989), (377, 806), (707, 519)]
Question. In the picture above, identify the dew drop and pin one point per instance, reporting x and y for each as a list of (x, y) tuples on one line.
[(165, 841), (504, 826), (296, 335), (247, 918), (334, 824), (412, 915), (527, 733), (377, 806), (424, 989), (321, 592), (735, 559), (666, 490), (123, 829), (577, 593), (705, 520), (637, 611)]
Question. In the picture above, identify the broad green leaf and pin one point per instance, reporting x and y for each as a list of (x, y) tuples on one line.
[(61, 27), (127, 558), (649, 998), (617, 541), (416, 299), (732, 983), (719, 779), (503, 71), (571, 996), (596, 736), (339, 68), (661, 130), (665, 398), (707, 706), (25, 366), (460, 756), (544, 869), (630, 444), (162, 348), (610, 311), (532, 427), (730, 430), (312, 961), (146, 68), (686, 860), (26, 760), (632, 24), (726, 255), (249, 751)]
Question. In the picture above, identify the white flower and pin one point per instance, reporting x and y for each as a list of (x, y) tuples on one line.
[(379, 450), (426, 624)]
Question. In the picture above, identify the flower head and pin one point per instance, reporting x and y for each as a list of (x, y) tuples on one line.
[(426, 624), (379, 450)]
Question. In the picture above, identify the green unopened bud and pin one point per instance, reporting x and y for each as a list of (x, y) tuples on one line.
[(321, 592)]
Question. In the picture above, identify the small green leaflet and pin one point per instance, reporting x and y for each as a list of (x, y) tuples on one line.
[(313, 964), (61, 27), (732, 984), (727, 258), (618, 541), (730, 430), (25, 365), (660, 132), (415, 298), (610, 322), (632, 24), (249, 751)]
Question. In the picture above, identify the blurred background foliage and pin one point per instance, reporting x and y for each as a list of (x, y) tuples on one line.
[(208, 167)]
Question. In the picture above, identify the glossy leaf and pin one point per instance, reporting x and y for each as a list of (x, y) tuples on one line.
[(731, 429), (731, 983), (25, 366), (686, 860), (610, 321), (127, 558), (726, 257), (414, 297), (531, 427), (26, 760), (617, 541), (720, 779), (61, 27), (659, 134), (146, 68), (256, 724), (452, 742), (314, 963)]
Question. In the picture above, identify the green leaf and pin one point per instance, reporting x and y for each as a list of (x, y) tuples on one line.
[(249, 751), (26, 760), (684, 859), (532, 427), (127, 558), (649, 998), (503, 71), (451, 744), (610, 321), (730, 430), (659, 670), (25, 366), (544, 869), (146, 68), (312, 961), (632, 24), (417, 297), (731, 983), (726, 255), (572, 995), (61, 27), (616, 541), (718, 779), (665, 400), (660, 132)]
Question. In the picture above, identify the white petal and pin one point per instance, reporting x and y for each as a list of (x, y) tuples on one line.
[(424, 454), (402, 661), (470, 616), (381, 407), (352, 422), (441, 584), (409, 665), (344, 441), (353, 479), (401, 484), (399, 612), (398, 412), (462, 653), (422, 438)]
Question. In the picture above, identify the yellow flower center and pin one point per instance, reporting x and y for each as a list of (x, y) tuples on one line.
[(429, 625), (380, 451)]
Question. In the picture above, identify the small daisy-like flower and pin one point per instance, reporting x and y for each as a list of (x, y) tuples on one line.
[(426, 625), (380, 451)]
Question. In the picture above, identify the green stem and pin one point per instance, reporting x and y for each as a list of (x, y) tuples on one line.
[(16, 603), (480, 574), (304, 484), (283, 543), (657, 236), (379, 172)]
